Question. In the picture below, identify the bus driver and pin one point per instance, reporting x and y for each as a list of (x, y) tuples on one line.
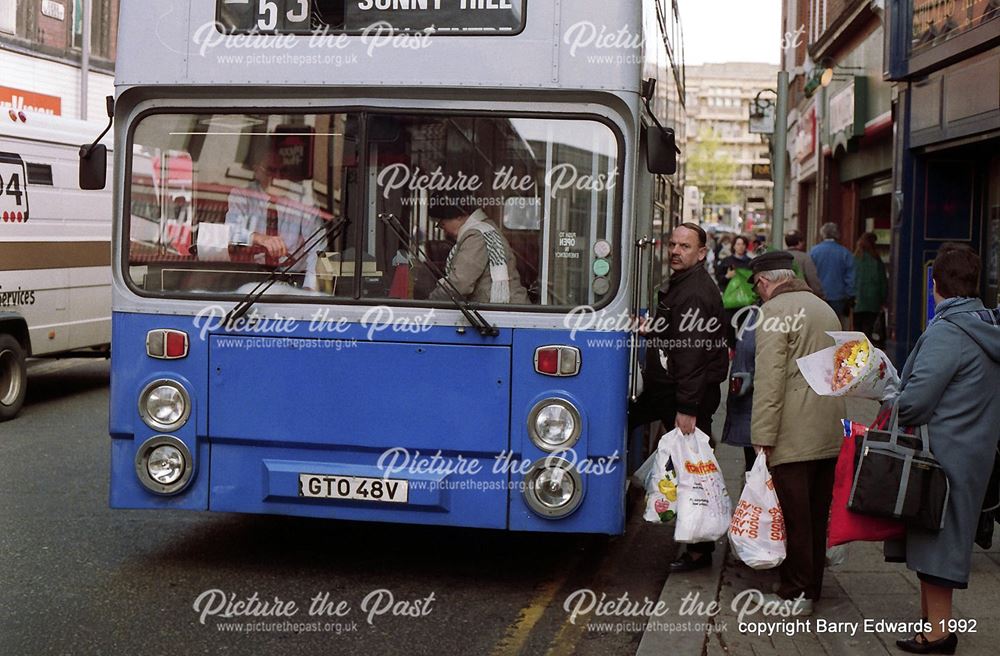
[(256, 218), (481, 265)]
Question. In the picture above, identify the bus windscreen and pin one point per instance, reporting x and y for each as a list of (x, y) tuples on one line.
[(220, 200), (488, 17)]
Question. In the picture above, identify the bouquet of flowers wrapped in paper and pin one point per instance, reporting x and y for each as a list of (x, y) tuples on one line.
[(852, 367)]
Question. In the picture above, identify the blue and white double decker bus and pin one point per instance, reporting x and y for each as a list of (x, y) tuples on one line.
[(318, 378)]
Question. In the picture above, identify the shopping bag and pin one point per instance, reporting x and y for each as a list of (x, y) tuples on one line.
[(845, 525), (853, 367), (660, 482), (703, 505), (757, 529), (897, 477), (739, 292)]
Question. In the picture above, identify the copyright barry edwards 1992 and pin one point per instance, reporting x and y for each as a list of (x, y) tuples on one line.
[(755, 614)]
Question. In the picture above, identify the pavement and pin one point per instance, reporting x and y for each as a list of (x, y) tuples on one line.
[(703, 620)]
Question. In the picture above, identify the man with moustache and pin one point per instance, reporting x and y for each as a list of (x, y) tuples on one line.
[(686, 356)]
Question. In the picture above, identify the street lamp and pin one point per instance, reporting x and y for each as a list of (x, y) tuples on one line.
[(762, 114)]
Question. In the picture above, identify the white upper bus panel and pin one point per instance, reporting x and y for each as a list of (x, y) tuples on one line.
[(567, 44)]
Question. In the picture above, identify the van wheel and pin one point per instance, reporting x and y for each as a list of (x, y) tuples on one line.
[(13, 377)]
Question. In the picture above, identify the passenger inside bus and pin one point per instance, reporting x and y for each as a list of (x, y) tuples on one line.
[(481, 266), (258, 219)]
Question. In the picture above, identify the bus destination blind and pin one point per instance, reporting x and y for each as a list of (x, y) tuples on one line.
[(488, 17)]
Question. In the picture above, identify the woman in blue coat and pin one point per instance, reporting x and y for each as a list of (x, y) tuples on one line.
[(739, 403), (950, 383)]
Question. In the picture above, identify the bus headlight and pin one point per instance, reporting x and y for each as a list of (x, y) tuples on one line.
[(554, 425), (163, 465), (553, 488), (164, 405)]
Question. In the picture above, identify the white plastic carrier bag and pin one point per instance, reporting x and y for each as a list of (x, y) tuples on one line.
[(703, 505), (757, 530), (660, 482)]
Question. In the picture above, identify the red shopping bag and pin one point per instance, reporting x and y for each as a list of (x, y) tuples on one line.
[(847, 526)]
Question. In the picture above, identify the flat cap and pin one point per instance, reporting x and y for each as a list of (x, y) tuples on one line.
[(773, 261)]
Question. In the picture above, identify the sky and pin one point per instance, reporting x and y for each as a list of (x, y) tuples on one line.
[(731, 30)]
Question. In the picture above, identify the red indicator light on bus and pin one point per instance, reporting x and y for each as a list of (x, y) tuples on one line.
[(166, 344), (547, 361), (177, 344), (557, 360)]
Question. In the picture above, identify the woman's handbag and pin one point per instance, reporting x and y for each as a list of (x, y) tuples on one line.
[(847, 526), (897, 479)]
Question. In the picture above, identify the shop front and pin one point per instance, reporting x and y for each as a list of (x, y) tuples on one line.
[(947, 186)]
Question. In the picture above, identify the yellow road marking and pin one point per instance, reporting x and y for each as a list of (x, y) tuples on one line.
[(518, 632), (564, 644), (569, 635)]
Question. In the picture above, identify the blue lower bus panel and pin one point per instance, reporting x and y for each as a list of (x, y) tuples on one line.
[(430, 429)]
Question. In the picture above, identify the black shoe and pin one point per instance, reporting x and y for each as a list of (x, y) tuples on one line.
[(687, 563), (919, 644)]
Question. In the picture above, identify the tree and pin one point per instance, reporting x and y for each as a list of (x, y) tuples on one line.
[(712, 169)]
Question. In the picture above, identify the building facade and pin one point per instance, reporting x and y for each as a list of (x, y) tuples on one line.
[(945, 60), (839, 148), (48, 65), (840, 121), (719, 97), (894, 128)]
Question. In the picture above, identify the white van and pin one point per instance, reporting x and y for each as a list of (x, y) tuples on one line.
[(55, 249)]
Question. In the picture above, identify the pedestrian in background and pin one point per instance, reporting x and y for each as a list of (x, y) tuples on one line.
[(712, 246), (797, 247), (835, 265), (759, 245), (800, 431), (739, 402), (725, 271), (950, 383), (686, 358), (724, 248), (871, 284)]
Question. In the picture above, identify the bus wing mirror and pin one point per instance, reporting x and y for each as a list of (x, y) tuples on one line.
[(93, 167), (94, 157), (661, 151)]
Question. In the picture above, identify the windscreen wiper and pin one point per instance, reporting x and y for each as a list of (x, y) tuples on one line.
[(472, 315), (331, 230)]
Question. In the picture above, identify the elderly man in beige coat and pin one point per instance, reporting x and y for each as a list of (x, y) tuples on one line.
[(799, 430)]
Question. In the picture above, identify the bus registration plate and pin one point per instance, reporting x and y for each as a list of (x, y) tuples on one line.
[(355, 488)]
